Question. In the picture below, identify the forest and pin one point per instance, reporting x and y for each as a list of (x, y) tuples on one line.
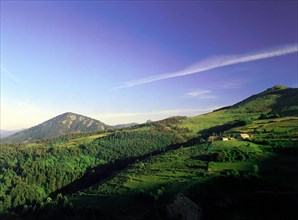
[(29, 172)]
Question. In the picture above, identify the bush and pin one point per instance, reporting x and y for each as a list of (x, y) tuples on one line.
[(246, 121), (234, 173), (232, 155)]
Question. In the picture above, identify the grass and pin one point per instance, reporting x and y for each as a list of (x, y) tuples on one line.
[(276, 125), (178, 170), (243, 145), (168, 170), (175, 171), (222, 166), (200, 122)]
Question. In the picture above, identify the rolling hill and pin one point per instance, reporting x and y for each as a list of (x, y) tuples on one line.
[(278, 99), (59, 125)]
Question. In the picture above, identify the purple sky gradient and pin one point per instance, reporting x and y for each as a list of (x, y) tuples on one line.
[(59, 56)]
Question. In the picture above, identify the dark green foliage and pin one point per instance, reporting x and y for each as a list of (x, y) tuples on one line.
[(232, 155), (30, 174), (255, 169), (131, 143), (268, 116), (245, 121)]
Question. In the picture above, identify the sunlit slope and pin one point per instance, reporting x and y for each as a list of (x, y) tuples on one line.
[(203, 172), (275, 102)]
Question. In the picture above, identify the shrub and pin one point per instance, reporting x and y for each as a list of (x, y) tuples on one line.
[(255, 169), (232, 155)]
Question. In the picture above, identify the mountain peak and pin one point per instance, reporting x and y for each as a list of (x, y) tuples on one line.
[(62, 124), (277, 88), (67, 114)]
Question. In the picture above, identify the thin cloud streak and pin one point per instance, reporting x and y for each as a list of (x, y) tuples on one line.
[(216, 62), (9, 74), (200, 94), (196, 93)]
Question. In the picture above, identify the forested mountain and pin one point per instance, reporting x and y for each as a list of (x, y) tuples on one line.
[(59, 125)]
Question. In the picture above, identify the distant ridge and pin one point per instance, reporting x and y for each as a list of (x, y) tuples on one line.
[(62, 124), (6, 133), (125, 125)]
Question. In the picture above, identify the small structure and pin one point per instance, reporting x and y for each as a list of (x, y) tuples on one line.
[(214, 138), (224, 138), (243, 136), (183, 208), (218, 138)]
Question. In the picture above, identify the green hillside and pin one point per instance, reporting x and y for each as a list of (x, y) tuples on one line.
[(192, 170), (279, 100), (276, 102), (139, 172)]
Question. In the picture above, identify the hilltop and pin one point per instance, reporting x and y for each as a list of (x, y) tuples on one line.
[(59, 125), (275, 100)]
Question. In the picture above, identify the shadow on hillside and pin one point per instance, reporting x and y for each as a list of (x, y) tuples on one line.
[(232, 197), (219, 129), (204, 158), (101, 172), (272, 193), (242, 196), (288, 98)]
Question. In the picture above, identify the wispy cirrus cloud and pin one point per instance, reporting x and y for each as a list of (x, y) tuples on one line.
[(200, 94), (216, 62), (9, 74)]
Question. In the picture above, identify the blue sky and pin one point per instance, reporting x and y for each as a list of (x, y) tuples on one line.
[(129, 61)]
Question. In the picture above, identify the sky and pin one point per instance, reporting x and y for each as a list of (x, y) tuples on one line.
[(130, 61)]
